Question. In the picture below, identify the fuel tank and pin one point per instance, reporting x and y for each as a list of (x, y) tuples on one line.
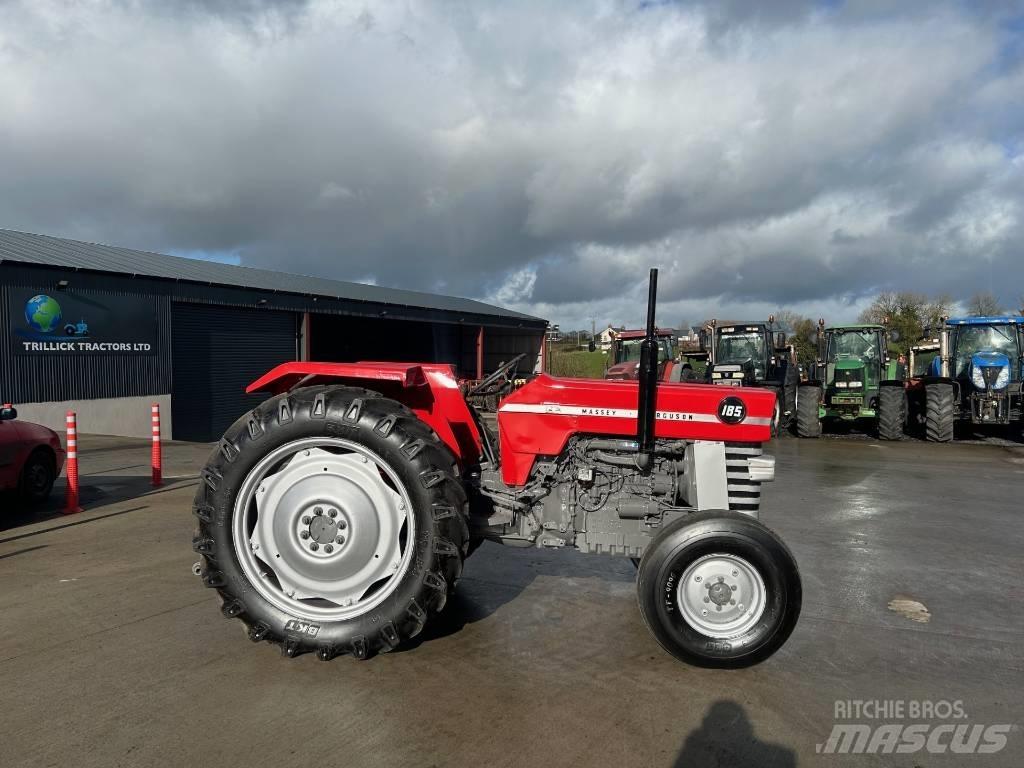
[(539, 418)]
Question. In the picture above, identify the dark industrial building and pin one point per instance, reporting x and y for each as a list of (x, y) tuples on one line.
[(107, 331)]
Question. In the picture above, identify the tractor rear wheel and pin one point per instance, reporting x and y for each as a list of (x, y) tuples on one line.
[(892, 411), (719, 589), (939, 412), (807, 422), (331, 520)]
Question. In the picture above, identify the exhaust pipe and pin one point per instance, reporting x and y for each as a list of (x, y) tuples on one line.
[(648, 381)]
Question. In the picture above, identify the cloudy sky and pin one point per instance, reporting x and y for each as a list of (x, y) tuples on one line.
[(800, 155)]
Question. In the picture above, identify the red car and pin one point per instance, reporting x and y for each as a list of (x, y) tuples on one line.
[(31, 456)]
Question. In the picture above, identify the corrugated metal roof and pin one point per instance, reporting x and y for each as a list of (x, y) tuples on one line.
[(26, 248)]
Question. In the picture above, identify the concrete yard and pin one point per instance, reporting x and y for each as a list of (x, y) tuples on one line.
[(112, 653)]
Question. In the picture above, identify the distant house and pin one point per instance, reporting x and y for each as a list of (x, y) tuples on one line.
[(606, 337)]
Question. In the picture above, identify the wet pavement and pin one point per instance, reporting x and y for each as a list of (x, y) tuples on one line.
[(112, 654)]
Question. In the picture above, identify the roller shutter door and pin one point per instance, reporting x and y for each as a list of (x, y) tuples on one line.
[(216, 352)]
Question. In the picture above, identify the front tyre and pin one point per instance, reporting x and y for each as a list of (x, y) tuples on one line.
[(719, 589), (331, 520)]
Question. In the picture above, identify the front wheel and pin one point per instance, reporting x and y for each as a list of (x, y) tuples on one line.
[(719, 589), (331, 520), (37, 476)]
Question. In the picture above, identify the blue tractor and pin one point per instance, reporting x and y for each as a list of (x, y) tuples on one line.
[(976, 376)]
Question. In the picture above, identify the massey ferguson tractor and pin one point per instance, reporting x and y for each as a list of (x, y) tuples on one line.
[(335, 517), (753, 354), (853, 379), (976, 377)]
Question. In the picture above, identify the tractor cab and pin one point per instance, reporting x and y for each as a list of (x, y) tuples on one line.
[(745, 353), (626, 354)]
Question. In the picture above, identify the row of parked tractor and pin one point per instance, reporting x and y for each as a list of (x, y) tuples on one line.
[(968, 371)]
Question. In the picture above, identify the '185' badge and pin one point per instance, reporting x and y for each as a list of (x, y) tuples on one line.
[(732, 410)]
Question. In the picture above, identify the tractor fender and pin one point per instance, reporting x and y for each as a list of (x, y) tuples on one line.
[(430, 391), (812, 383)]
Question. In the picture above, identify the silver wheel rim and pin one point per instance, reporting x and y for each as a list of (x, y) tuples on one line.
[(721, 595), (323, 528)]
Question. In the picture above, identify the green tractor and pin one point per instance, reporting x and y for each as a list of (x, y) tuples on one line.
[(853, 379)]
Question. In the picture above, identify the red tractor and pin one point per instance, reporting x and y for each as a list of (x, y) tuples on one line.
[(626, 357), (335, 517)]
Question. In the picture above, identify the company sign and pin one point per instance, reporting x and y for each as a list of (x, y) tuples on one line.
[(59, 323)]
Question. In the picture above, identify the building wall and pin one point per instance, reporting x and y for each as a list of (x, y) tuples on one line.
[(110, 392), (61, 378), (124, 416)]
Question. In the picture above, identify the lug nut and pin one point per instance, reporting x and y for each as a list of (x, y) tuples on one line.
[(314, 546), (734, 587), (732, 602), (332, 512), (329, 548), (318, 510), (304, 535), (340, 539), (707, 599), (306, 519), (342, 525), (718, 607)]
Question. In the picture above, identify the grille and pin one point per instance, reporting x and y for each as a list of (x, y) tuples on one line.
[(744, 493)]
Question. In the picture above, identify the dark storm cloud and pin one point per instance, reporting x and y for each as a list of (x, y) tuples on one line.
[(541, 155)]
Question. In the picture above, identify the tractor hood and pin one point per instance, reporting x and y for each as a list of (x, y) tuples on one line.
[(627, 370), (539, 418), (990, 370), (989, 359)]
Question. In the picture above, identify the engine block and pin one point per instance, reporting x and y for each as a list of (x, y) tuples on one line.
[(594, 497)]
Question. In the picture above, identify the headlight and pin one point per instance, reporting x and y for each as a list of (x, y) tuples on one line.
[(738, 375), (978, 376), (716, 375), (841, 384), (856, 383)]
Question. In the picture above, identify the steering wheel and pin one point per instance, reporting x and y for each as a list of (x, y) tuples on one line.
[(485, 386)]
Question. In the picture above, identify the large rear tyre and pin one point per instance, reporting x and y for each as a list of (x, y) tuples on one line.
[(892, 411), (939, 412), (331, 520), (719, 589), (807, 422)]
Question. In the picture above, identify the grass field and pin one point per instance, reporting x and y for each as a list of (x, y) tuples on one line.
[(578, 364)]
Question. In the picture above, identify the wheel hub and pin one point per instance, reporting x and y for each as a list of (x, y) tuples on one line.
[(721, 595), (325, 528)]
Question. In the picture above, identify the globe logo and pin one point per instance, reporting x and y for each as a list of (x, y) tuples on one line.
[(42, 313)]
